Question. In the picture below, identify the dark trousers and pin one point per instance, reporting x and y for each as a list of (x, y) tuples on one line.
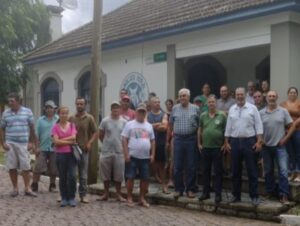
[(66, 166), (241, 149), (185, 156), (212, 156)]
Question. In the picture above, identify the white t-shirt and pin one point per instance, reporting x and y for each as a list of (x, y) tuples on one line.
[(140, 136)]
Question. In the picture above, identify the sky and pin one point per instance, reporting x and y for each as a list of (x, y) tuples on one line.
[(74, 18)]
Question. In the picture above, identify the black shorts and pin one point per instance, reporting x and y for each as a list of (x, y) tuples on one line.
[(160, 153)]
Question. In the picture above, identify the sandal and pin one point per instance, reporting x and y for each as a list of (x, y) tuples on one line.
[(130, 203), (30, 194), (14, 194), (144, 204)]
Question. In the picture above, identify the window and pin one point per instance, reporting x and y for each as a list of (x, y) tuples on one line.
[(50, 91), (84, 88)]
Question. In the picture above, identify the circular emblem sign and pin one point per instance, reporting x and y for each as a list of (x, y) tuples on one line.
[(137, 87)]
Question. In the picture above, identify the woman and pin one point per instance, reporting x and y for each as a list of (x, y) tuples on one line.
[(292, 104), (64, 134)]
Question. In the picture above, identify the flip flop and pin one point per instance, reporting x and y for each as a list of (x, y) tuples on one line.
[(14, 194), (130, 204), (30, 194), (144, 204)]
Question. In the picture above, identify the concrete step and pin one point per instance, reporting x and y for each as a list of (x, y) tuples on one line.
[(227, 184), (267, 210)]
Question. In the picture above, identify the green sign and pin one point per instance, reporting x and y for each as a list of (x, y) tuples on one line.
[(159, 57)]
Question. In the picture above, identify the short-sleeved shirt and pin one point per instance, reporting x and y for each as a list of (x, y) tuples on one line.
[(185, 120), (274, 124), (140, 136), (86, 127), (70, 131), (224, 105), (112, 141), (43, 132), (212, 129), (16, 125), (128, 115)]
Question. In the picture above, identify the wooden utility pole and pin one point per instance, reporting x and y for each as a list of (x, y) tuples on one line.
[(95, 85)]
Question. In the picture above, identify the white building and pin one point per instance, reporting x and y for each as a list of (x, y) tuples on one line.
[(162, 46)]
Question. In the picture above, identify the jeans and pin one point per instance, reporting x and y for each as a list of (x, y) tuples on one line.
[(280, 156), (212, 156), (293, 148), (185, 156), (241, 149), (83, 174), (66, 166)]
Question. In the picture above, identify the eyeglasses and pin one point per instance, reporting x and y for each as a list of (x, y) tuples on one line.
[(256, 96)]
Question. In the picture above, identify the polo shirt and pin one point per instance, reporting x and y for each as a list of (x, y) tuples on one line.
[(212, 129), (43, 132), (224, 105), (16, 125), (86, 127), (274, 123)]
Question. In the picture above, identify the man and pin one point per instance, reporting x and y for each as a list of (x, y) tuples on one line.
[(46, 159), (244, 132), (250, 92), (184, 124), (199, 101), (86, 135), (225, 101), (159, 121), (265, 89), (259, 100), (275, 119), (124, 92), (139, 150), (18, 125), (126, 112), (112, 161), (210, 143)]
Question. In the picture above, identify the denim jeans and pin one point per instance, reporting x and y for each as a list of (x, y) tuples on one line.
[(241, 149), (212, 156), (82, 174), (66, 166), (280, 157), (293, 148), (185, 158)]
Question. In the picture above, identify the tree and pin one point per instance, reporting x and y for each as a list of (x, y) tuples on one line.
[(24, 26)]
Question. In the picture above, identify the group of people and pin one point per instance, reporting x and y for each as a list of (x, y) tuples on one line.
[(171, 144)]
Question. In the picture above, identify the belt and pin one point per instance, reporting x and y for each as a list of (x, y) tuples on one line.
[(242, 138), (185, 135)]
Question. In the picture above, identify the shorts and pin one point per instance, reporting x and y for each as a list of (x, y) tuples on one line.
[(17, 157), (140, 165), (112, 167), (46, 162), (160, 153)]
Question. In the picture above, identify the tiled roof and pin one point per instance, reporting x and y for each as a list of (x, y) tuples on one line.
[(141, 16)]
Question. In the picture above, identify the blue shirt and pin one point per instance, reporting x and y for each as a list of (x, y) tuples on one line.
[(43, 132), (16, 125)]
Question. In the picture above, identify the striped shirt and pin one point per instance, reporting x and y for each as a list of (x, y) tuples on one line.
[(16, 125), (185, 120)]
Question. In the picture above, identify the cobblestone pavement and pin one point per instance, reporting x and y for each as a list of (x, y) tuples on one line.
[(44, 210)]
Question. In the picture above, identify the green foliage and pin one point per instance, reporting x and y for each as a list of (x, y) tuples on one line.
[(24, 25)]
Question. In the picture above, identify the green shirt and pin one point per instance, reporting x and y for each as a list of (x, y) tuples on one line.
[(212, 129)]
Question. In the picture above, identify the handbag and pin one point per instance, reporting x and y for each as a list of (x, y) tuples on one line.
[(76, 150)]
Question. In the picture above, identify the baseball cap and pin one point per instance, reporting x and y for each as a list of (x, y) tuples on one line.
[(126, 97), (115, 103), (199, 99), (141, 107), (50, 103)]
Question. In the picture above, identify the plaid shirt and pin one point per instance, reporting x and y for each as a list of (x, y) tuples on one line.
[(185, 120)]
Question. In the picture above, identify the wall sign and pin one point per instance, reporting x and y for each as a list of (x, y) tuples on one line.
[(137, 87)]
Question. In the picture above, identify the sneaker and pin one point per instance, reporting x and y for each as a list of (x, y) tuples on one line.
[(72, 202), (34, 187), (234, 199), (52, 187), (64, 203), (84, 199), (255, 201), (284, 200), (204, 197)]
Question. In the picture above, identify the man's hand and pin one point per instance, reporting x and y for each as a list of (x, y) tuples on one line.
[(151, 159), (257, 146), (5, 147), (88, 147), (226, 148), (200, 147), (37, 152), (127, 158), (282, 142)]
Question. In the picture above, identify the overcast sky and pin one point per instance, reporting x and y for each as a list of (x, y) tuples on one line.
[(83, 14)]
